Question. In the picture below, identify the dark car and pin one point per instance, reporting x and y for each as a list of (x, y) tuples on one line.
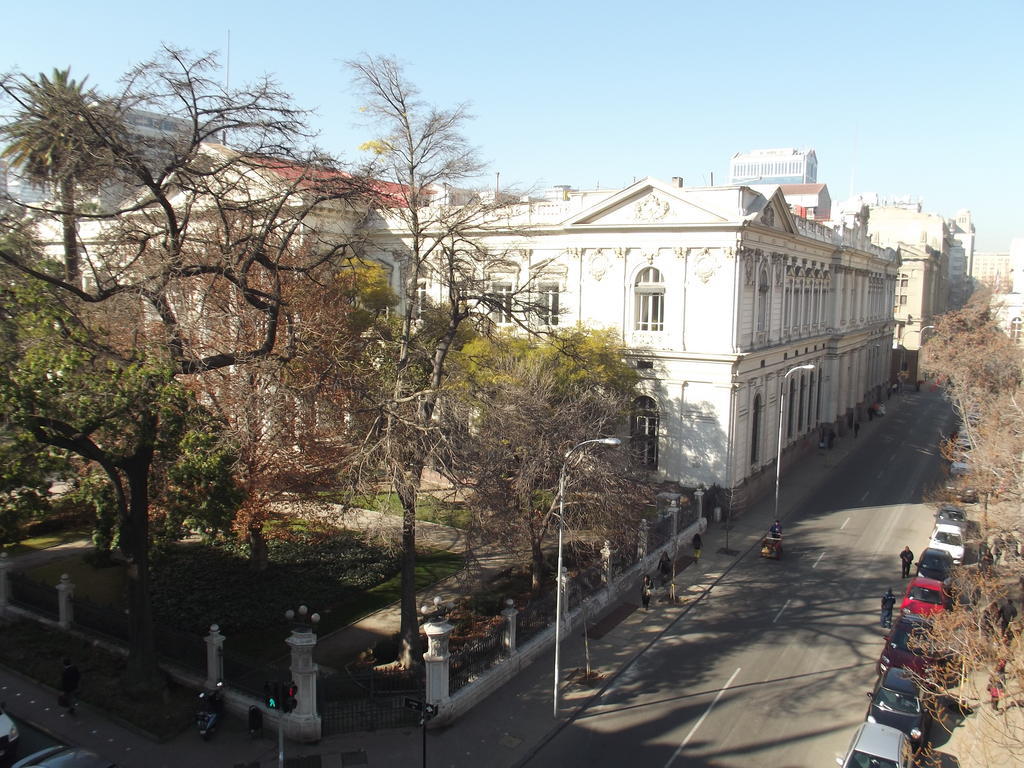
[(898, 653), (950, 513), (64, 757), (896, 702), (935, 564)]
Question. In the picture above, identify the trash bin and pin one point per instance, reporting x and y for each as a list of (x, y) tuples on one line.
[(255, 722), (718, 514)]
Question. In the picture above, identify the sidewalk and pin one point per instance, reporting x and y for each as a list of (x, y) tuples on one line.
[(504, 730)]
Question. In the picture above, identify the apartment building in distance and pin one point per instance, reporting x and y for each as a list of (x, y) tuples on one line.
[(774, 166)]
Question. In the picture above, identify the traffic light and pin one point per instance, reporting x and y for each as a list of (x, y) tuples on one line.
[(272, 695), (289, 700)]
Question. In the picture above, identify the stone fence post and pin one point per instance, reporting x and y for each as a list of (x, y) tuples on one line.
[(606, 563), (214, 657), (437, 659), (510, 613), (304, 723), (641, 543), (5, 585), (65, 608)]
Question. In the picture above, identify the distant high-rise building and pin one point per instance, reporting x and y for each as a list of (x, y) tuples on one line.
[(774, 166), (994, 270)]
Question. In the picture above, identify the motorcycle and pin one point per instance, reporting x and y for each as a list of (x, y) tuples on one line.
[(211, 709)]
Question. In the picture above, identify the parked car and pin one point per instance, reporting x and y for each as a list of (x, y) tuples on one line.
[(8, 737), (878, 746), (64, 757), (951, 514), (935, 564), (925, 597), (896, 702), (949, 538), (898, 653)]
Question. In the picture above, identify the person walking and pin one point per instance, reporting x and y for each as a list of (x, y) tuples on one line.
[(698, 545), (665, 568), (856, 428), (997, 683), (906, 560), (645, 591), (1007, 613), (69, 680), (888, 601)]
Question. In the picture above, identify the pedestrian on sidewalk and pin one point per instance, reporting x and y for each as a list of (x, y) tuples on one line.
[(665, 568), (856, 428), (906, 560), (1007, 613), (698, 545), (69, 680), (997, 683), (888, 601), (645, 591)]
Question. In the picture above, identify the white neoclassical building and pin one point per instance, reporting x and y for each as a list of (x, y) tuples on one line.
[(723, 300)]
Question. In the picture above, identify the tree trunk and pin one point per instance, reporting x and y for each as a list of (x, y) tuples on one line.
[(143, 673), (409, 650), (258, 556), (537, 557), (70, 234)]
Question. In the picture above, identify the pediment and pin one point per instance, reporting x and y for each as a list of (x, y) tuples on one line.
[(646, 203), (776, 214)]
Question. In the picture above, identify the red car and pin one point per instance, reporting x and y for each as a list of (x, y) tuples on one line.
[(925, 596), (901, 651)]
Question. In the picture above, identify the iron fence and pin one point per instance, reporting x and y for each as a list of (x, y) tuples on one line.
[(34, 596), (476, 657), (365, 700), (535, 617)]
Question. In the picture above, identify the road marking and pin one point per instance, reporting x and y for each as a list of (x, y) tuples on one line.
[(818, 560), (701, 720), (865, 494), (843, 526), (784, 607)]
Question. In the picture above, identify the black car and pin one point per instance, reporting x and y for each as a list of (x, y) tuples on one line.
[(935, 564), (950, 513), (896, 702)]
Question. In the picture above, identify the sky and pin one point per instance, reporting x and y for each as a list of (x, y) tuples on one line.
[(906, 98)]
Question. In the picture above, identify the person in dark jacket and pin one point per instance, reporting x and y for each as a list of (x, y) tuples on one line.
[(906, 560), (698, 545), (69, 680), (646, 587), (888, 601)]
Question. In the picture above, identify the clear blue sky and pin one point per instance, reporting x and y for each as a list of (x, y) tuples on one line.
[(903, 97)]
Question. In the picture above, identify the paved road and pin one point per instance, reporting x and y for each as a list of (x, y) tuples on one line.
[(772, 666)]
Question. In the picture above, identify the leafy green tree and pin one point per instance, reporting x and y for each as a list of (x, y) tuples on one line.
[(191, 273), (524, 404)]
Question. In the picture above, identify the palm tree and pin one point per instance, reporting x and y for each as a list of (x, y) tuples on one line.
[(49, 141)]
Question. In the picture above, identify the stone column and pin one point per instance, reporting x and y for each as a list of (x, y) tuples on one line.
[(214, 657), (510, 613), (606, 563), (437, 659), (304, 723), (65, 609), (5, 586)]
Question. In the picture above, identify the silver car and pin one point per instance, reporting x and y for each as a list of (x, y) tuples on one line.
[(64, 757), (878, 746)]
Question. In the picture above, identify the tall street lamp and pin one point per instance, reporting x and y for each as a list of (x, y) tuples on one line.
[(559, 575), (782, 410), (920, 340)]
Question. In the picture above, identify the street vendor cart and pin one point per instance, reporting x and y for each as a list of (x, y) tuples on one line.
[(771, 546)]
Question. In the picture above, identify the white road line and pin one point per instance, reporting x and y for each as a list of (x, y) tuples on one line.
[(701, 720), (818, 560), (865, 494), (784, 607), (843, 526)]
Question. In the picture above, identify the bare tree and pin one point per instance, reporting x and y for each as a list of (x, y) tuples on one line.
[(434, 231)]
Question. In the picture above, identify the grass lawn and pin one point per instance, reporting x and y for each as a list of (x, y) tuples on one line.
[(45, 541), (429, 508)]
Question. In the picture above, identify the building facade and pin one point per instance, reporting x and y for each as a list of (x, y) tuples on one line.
[(774, 166), (743, 320)]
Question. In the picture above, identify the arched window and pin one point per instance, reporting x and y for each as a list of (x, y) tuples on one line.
[(1016, 326), (649, 301), (763, 284), (643, 432), (755, 429)]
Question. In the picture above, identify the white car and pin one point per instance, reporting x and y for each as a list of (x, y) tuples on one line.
[(8, 737), (949, 538)]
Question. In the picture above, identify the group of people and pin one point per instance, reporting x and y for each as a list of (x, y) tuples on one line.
[(665, 571)]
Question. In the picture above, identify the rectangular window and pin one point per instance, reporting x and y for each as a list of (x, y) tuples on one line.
[(548, 303), (650, 312), (501, 295), (903, 299)]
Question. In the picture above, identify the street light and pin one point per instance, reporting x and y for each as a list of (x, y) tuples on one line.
[(903, 347), (559, 573), (782, 410)]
